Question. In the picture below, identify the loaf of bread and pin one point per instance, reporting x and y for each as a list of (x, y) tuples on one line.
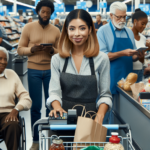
[(126, 86), (132, 78)]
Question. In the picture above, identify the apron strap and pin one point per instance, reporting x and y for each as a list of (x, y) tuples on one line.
[(90, 61), (111, 25), (65, 65), (92, 65)]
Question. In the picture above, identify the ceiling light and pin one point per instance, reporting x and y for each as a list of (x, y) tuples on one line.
[(127, 1), (58, 1), (19, 3)]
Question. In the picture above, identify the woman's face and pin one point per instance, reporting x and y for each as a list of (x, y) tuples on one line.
[(78, 32), (141, 24), (3, 61)]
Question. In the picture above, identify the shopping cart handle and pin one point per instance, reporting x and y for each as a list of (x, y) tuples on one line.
[(73, 127)]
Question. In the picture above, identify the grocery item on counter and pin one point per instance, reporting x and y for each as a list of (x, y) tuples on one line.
[(144, 99), (57, 145), (146, 88), (136, 88), (121, 82), (131, 79), (114, 143)]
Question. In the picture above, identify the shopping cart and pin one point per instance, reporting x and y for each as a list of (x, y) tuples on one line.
[(43, 139)]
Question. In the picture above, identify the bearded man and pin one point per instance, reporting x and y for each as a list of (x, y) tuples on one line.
[(39, 57), (117, 41)]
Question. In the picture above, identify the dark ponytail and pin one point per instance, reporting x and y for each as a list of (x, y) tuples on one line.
[(138, 15)]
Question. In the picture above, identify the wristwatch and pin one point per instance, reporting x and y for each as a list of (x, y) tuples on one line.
[(17, 109)]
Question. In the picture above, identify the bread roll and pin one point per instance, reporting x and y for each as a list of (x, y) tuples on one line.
[(132, 78), (126, 86)]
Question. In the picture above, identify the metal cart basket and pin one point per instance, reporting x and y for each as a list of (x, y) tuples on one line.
[(125, 141)]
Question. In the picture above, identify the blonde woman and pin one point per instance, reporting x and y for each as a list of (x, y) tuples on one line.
[(80, 72)]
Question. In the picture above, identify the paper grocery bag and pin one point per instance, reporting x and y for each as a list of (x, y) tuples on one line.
[(136, 88), (88, 130)]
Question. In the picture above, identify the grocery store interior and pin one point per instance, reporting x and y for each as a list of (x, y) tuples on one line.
[(131, 101)]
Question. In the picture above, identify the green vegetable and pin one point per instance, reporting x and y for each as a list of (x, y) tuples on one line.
[(93, 148)]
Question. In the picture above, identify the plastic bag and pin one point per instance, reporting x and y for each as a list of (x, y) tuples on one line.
[(121, 82)]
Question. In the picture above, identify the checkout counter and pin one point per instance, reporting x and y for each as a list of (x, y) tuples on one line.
[(128, 110)]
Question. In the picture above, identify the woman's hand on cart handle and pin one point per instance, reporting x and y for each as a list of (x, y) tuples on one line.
[(56, 108)]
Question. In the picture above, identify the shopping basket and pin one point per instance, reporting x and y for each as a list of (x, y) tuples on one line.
[(125, 141)]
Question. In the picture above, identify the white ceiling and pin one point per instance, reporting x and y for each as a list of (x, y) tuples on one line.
[(67, 2)]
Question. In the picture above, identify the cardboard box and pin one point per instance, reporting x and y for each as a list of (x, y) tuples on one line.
[(145, 103)]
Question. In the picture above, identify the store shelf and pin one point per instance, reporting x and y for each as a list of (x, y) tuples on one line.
[(7, 27), (20, 26), (14, 39), (4, 20), (17, 31), (14, 45), (11, 33)]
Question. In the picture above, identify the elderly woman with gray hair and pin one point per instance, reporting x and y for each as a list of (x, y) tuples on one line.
[(11, 86)]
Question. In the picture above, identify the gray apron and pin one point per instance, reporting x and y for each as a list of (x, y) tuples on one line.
[(79, 89)]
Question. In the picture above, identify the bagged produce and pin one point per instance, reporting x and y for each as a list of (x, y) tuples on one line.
[(136, 89), (92, 148), (121, 82)]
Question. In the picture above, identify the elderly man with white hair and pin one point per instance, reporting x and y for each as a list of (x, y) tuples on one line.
[(117, 41), (11, 86)]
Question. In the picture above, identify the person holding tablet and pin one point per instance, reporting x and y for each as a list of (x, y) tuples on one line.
[(119, 46), (80, 72), (139, 20), (35, 42)]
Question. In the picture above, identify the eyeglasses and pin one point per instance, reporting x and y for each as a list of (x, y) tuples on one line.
[(120, 17)]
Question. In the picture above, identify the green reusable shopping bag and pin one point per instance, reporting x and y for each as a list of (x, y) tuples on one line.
[(92, 148)]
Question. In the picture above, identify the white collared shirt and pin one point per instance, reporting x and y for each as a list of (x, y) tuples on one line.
[(102, 72), (2, 74)]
